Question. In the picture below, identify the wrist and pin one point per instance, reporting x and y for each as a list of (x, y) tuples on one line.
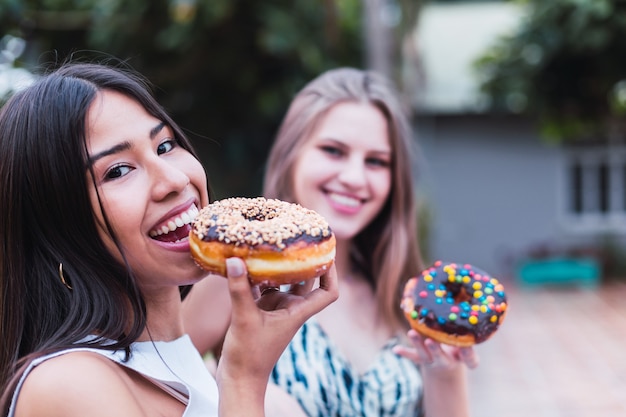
[(452, 382), (240, 395), (445, 374)]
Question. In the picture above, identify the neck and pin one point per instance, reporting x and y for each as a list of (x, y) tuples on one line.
[(342, 259), (163, 309)]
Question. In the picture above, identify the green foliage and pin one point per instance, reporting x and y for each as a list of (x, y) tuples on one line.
[(565, 64), (225, 69)]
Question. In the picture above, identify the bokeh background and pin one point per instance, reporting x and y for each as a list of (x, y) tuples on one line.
[(519, 113), (225, 69)]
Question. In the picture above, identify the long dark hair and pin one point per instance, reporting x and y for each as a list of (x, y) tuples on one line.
[(46, 219)]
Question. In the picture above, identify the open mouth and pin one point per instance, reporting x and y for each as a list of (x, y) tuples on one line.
[(177, 228)]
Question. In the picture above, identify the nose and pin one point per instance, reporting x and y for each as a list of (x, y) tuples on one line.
[(167, 178), (353, 172)]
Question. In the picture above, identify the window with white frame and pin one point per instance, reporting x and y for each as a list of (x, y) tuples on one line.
[(596, 186)]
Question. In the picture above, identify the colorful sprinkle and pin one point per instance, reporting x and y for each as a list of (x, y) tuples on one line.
[(483, 296)]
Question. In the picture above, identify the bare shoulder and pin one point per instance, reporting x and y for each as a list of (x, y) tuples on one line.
[(77, 384)]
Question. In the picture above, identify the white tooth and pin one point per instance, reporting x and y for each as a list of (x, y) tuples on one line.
[(179, 222), (186, 218), (345, 200), (153, 233), (171, 225), (165, 229)]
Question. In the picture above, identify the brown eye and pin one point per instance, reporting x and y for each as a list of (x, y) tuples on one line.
[(165, 146), (117, 172)]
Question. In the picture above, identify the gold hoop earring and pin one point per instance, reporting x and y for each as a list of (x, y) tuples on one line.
[(63, 277)]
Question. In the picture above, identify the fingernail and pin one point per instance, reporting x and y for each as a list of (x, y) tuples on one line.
[(234, 267)]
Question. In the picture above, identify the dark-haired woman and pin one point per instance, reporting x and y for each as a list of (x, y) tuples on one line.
[(99, 186)]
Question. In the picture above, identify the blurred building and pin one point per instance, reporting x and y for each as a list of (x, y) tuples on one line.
[(496, 192)]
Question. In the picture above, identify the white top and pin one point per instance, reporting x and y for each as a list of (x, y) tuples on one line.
[(175, 366)]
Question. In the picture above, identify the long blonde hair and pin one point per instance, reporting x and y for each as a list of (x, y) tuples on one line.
[(387, 250)]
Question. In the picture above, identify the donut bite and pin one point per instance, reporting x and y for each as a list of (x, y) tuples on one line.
[(455, 304), (280, 242)]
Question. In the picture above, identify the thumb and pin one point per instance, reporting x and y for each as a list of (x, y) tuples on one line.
[(238, 284)]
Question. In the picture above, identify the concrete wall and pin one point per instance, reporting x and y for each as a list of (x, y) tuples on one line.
[(492, 187)]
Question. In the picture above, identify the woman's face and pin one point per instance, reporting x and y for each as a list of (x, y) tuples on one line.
[(344, 169), (150, 188)]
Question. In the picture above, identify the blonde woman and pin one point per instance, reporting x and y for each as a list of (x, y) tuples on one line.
[(345, 149)]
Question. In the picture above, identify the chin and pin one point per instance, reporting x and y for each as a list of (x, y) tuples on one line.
[(343, 234)]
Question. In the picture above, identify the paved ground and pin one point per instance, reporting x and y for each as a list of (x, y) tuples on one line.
[(561, 352)]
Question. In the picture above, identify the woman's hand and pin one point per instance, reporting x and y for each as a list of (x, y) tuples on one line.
[(258, 334), (431, 354), (443, 371)]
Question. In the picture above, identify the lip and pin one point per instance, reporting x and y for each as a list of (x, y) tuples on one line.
[(181, 208), (181, 245)]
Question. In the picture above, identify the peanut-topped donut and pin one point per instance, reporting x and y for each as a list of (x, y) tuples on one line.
[(455, 304), (280, 242)]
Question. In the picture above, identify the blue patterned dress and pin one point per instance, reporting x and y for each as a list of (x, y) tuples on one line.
[(314, 371)]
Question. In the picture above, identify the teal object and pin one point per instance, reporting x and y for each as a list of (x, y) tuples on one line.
[(561, 271)]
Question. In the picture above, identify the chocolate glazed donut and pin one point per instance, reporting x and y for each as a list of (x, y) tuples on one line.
[(456, 304), (281, 242)]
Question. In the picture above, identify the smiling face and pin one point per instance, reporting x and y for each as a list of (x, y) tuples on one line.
[(150, 189), (344, 169)]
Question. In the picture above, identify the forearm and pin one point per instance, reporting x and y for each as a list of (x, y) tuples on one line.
[(445, 392), (241, 398)]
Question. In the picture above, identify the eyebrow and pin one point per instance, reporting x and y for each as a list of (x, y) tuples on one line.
[(382, 152), (122, 146)]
